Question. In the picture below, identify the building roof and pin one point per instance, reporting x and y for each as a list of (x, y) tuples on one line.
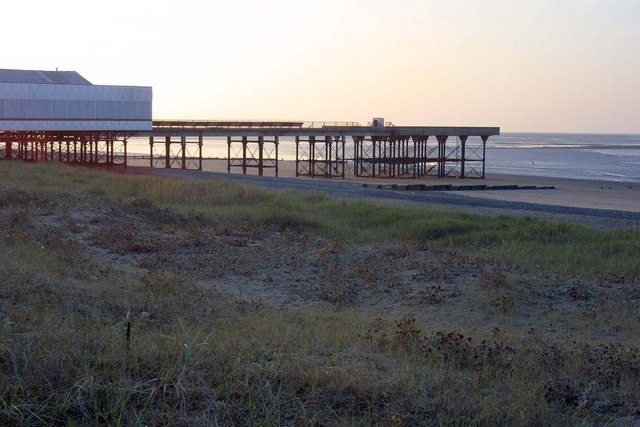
[(42, 77)]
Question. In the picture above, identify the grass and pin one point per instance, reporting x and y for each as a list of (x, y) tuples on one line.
[(86, 256), (526, 242)]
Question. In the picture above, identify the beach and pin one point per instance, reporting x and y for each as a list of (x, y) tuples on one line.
[(594, 202), (588, 171), (579, 193)]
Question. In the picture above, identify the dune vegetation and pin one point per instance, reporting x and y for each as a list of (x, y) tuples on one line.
[(130, 299)]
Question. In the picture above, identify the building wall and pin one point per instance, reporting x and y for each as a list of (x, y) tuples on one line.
[(27, 106)]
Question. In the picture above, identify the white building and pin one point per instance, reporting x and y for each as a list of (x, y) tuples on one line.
[(52, 101)]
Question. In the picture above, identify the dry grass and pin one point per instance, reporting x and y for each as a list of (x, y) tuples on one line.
[(129, 300)]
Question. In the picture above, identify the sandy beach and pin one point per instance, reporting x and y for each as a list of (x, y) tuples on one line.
[(571, 193), (579, 193)]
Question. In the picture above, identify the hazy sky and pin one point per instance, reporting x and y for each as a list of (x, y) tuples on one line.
[(524, 65)]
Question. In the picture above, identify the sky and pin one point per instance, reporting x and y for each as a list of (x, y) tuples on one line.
[(523, 65)]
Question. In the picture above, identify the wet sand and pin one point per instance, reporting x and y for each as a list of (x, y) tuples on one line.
[(578, 193)]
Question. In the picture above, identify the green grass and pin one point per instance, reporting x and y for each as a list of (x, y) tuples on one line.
[(530, 243)]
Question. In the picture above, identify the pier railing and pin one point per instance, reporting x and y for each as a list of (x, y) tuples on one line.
[(210, 124), (323, 124)]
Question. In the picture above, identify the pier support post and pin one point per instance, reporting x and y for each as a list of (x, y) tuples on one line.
[(183, 151), (277, 142), (244, 155), (151, 151), (228, 154), (124, 148), (442, 152), (167, 152), (463, 157), (484, 152), (260, 154), (200, 151)]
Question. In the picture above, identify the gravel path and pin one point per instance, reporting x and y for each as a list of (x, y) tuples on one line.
[(443, 200)]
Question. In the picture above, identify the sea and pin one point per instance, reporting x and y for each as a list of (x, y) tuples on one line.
[(608, 157)]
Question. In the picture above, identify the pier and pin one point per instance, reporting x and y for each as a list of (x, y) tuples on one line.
[(326, 150), (61, 116)]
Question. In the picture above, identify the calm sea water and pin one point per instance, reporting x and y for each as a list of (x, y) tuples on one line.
[(582, 156)]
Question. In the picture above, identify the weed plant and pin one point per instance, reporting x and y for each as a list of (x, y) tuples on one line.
[(526, 242), (99, 326)]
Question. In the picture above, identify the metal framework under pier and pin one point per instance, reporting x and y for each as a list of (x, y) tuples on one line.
[(328, 151), (392, 157), (415, 156), (259, 152), (91, 148), (182, 152), (322, 156)]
